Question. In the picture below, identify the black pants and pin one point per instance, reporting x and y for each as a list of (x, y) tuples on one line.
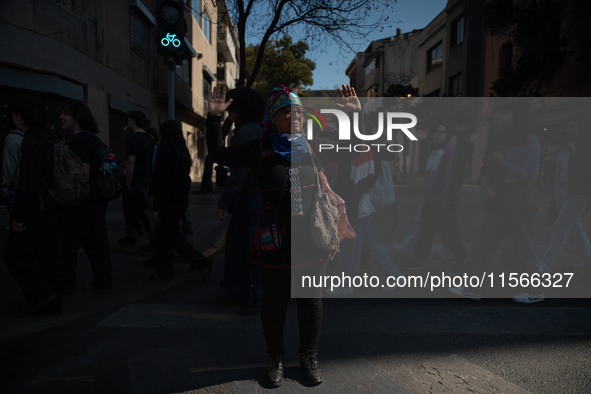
[(41, 240), (206, 182), (436, 219), (86, 226), (169, 238), (277, 292), (135, 211), (515, 215)]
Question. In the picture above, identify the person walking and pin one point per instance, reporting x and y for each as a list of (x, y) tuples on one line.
[(33, 249), (139, 149), (171, 184), (86, 225), (354, 186), (242, 199), (441, 192), (517, 204), (572, 187)]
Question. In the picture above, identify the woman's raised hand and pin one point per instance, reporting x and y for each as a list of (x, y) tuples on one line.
[(217, 103), (349, 102)]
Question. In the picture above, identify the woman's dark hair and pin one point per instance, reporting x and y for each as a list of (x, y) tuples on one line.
[(81, 114), (432, 131), (248, 103), (152, 132), (32, 110), (139, 117), (171, 135)]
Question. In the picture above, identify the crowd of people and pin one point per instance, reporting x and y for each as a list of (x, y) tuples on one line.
[(57, 187), (270, 218)]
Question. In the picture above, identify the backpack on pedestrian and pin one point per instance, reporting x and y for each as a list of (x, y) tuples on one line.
[(382, 193), (70, 185), (107, 184)]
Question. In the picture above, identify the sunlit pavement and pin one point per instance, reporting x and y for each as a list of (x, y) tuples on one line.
[(170, 337)]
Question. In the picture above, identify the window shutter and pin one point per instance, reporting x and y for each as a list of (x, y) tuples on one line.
[(140, 37)]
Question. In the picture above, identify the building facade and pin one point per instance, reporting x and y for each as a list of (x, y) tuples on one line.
[(104, 54), (385, 62)]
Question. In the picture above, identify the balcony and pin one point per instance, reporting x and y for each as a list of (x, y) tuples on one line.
[(224, 77), (226, 45)]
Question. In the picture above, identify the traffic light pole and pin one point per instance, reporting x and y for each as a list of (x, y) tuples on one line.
[(171, 79)]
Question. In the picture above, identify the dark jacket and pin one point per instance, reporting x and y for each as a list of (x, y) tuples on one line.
[(272, 171), (241, 179), (444, 183), (171, 182), (35, 176)]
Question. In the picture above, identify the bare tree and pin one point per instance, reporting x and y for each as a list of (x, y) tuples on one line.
[(342, 22)]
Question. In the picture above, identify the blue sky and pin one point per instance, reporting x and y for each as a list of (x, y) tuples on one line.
[(406, 15)]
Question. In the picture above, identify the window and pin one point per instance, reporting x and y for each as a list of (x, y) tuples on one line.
[(457, 31), (435, 56), (206, 86), (206, 26), (506, 58), (370, 67), (455, 85), (196, 10), (140, 37), (184, 71)]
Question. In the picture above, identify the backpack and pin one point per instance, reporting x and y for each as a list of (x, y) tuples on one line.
[(382, 193), (107, 184), (70, 184)]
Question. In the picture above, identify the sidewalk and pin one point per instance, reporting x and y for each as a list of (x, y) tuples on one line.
[(130, 277)]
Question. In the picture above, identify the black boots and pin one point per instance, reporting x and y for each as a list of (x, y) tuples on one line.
[(310, 369), (311, 372), (275, 370)]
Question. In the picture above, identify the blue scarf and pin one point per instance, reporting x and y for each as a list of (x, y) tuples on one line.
[(287, 144)]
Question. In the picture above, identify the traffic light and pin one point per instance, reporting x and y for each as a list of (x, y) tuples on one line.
[(171, 29)]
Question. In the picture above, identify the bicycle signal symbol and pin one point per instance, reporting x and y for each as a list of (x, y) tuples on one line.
[(170, 39)]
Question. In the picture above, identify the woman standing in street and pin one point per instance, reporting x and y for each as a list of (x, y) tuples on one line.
[(281, 159)]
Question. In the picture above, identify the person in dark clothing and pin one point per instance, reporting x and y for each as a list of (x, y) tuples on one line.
[(282, 155), (519, 203), (440, 188), (492, 180), (86, 225), (11, 157), (242, 199), (206, 182), (138, 171), (572, 189), (171, 185), (37, 221)]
